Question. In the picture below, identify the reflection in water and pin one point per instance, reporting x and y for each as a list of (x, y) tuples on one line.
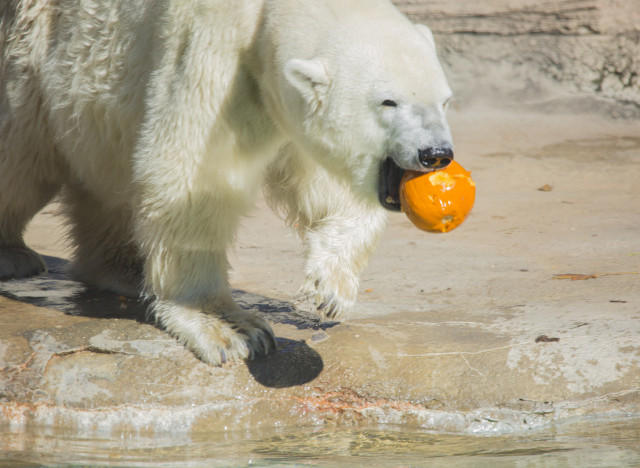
[(588, 442)]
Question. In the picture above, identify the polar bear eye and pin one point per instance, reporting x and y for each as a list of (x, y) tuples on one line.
[(389, 103)]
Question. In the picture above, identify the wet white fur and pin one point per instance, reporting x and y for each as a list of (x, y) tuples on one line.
[(161, 119)]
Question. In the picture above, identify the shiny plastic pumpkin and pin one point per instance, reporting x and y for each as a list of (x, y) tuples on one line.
[(438, 201)]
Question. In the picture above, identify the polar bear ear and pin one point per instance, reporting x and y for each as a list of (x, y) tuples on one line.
[(307, 76), (426, 32)]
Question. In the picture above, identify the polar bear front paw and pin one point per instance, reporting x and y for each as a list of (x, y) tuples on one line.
[(217, 337), (328, 299), (20, 262)]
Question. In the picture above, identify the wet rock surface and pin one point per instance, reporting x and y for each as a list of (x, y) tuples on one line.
[(488, 328)]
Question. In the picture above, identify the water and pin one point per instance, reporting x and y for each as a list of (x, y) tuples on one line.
[(584, 443)]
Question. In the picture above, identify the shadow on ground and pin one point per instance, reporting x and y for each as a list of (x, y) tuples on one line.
[(295, 363), (55, 290)]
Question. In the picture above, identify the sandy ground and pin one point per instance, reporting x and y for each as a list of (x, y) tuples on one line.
[(470, 330)]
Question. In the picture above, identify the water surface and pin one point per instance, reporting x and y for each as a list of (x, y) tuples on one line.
[(589, 442)]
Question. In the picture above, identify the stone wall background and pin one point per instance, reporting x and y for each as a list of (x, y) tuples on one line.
[(554, 55)]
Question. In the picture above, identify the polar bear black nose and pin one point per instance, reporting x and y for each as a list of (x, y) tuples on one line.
[(435, 157)]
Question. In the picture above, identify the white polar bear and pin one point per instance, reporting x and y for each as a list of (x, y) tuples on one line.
[(159, 120)]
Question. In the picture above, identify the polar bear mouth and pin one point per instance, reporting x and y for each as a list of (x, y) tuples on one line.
[(389, 184)]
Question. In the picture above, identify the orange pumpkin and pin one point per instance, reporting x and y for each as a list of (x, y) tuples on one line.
[(437, 201)]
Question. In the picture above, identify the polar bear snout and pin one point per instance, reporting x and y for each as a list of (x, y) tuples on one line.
[(435, 157)]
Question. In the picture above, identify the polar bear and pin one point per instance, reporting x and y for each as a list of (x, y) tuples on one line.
[(157, 122)]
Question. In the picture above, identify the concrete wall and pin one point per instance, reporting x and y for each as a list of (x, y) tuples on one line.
[(543, 54)]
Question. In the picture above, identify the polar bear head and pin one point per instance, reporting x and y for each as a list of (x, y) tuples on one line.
[(370, 104)]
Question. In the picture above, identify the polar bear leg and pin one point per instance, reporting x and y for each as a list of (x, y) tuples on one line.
[(21, 197), (339, 231), (185, 241), (29, 179), (106, 255), (194, 304), (218, 333)]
